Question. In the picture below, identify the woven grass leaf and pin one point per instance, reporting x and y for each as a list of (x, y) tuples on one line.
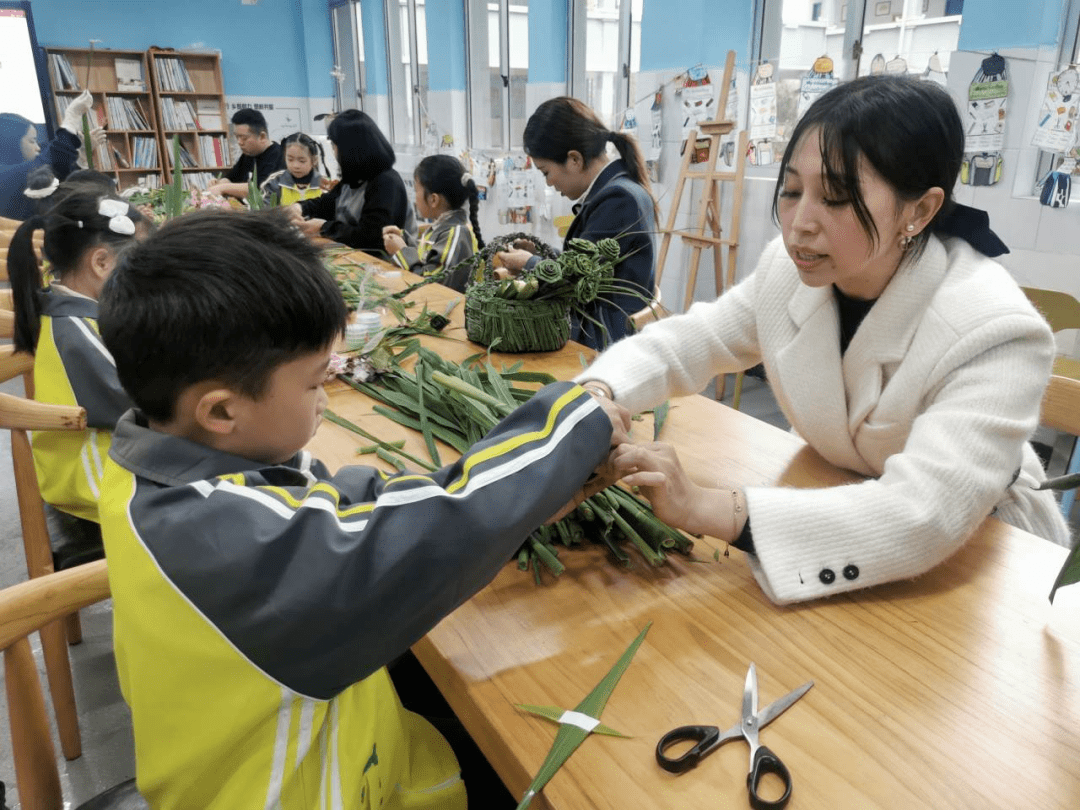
[(570, 737), (660, 414), (425, 428), (554, 713), (1070, 572)]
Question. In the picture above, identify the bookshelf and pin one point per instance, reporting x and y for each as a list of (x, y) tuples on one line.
[(189, 101), (123, 105)]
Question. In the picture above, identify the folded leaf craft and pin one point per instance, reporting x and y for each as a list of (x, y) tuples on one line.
[(576, 725)]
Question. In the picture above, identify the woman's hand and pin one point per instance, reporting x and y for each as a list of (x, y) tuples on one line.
[(526, 245), (392, 242), (311, 227), (514, 260), (655, 469)]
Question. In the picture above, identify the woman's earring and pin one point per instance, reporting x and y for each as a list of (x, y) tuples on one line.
[(906, 241)]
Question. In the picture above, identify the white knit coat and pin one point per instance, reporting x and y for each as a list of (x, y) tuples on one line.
[(934, 400)]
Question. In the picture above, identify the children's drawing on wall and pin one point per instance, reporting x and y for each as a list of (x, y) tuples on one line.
[(698, 105), (517, 190), (656, 142), (762, 115), (817, 82), (984, 124), (1055, 130), (629, 122)]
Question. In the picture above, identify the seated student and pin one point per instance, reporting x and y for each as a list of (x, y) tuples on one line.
[(442, 188), (371, 194), (46, 191), (21, 153), (286, 590), (300, 179), (260, 155), (58, 325)]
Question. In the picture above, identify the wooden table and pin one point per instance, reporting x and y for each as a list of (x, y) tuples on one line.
[(960, 689)]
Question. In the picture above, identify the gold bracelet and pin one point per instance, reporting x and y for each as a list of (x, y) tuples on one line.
[(595, 388), (735, 515)]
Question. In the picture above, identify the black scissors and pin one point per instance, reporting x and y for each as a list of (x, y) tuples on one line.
[(709, 738)]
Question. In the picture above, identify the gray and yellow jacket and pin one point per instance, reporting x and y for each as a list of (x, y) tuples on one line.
[(281, 188), (255, 607), (73, 367), (448, 242)]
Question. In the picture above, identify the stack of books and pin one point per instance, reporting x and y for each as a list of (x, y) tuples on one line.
[(178, 114), (126, 113), (199, 180), (214, 150), (63, 77), (144, 152), (173, 75)]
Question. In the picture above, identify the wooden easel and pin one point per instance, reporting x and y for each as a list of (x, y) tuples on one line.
[(709, 207)]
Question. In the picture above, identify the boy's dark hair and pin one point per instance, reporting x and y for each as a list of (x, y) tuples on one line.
[(362, 150), (909, 130), (72, 227), (216, 295), (444, 174), (251, 118)]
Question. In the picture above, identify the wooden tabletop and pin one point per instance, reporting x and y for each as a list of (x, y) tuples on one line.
[(958, 689)]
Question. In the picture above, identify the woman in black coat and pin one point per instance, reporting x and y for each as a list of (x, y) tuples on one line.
[(371, 194)]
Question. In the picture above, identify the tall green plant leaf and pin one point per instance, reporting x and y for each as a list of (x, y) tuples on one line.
[(1070, 572), (174, 194), (571, 736)]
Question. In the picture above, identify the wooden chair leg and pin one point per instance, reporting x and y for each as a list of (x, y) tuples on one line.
[(35, 759), (58, 669), (721, 386), (73, 628)]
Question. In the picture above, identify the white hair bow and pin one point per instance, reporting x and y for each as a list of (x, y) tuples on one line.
[(117, 213)]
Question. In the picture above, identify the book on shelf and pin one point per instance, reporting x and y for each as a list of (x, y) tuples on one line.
[(129, 74), (208, 111), (213, 150), (199, 180), (173, 75), (178, 114), (144, 152), (125, 113), (63, 75)]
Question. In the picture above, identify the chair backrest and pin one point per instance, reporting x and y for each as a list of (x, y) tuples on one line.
[(1061, 405), (1060, 309), (25, 608), (7, 230)]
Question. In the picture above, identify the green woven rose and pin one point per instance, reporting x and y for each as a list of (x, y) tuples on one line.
[(548, 271), (609, 248), (587, 289)]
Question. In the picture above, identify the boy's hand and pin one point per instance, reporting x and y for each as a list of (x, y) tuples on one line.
[(619, 416), (604, 476), (392, 242)]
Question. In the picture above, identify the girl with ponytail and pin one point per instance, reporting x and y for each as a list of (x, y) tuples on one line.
[(84, 232), (442, 189), (568, 143)]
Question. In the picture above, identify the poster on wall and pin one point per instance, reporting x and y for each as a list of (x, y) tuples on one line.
[(698, 105), (987, 97), (817, 82), (1055, 130), (656, 142), (763, 104)]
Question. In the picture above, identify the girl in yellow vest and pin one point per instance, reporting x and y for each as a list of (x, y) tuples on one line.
[(84, 232), (300, 179)]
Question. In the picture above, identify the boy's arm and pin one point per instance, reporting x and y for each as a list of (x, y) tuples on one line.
[(332, 583)]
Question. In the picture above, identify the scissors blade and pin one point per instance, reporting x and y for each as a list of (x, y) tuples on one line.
[(749, 699), (781, 705)]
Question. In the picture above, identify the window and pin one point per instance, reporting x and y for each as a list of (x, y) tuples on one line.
[(606, 41), (348, 39), (498, 71), (406, 53), (858, 36)]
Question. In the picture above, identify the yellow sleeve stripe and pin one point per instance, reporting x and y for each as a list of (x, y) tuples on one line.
[(399, 478), (291, 500), (514, 442), (451, 245)]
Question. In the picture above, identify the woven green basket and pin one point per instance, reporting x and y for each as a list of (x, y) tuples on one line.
[(522, 326)]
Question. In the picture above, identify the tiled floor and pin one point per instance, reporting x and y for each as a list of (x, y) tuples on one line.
[(108, 750)]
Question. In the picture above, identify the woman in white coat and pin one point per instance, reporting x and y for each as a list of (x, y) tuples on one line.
[(894, 345)]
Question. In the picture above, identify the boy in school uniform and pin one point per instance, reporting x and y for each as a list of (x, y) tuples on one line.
[(259, 154), (257, 598)]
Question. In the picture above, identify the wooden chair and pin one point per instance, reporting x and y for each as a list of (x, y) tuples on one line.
[(24, 608), (7, 230), (1062, 312)]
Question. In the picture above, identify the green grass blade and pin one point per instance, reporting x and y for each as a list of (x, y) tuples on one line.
[(425, 428), (1070, 572), (660, 414)]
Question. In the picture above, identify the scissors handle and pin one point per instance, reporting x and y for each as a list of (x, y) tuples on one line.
[(706, 739), (765, 761)]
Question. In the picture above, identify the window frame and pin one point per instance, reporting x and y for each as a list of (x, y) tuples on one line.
[(577, 47)]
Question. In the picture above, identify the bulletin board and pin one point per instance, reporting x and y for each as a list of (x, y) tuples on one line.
[(24, 84)]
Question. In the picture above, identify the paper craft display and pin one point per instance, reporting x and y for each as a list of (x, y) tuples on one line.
[(897, 66), (1057, 185), (1056, 128), (763, 104), (934, 72), (698, 105), (656, 142), (987, 96), (877, 64), (731, 113), (817, 82)]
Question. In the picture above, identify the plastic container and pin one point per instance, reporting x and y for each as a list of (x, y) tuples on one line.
[(361, 330)]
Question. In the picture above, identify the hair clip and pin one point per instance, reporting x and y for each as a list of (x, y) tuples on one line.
[(465, 178), (42, 193), (117, 212)]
